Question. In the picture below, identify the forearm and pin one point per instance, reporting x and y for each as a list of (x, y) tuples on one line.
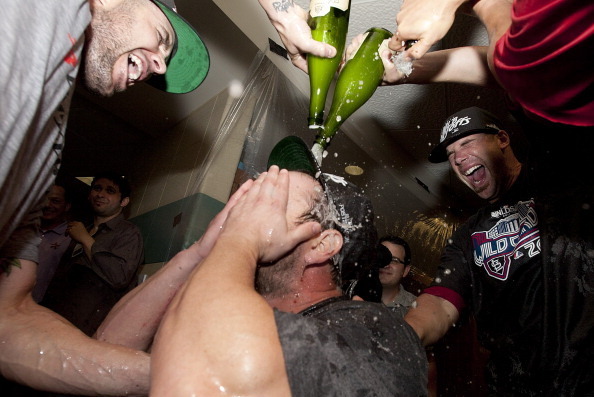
[(431, 318), (218, 326), (465, 65), (44, 351), (134, 320), (278, 10)]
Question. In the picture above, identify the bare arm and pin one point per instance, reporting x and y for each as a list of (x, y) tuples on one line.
[(429, 20), (44, 351), (290, 21), (465, 65), (133, 321), (431, 318), (219, 336)]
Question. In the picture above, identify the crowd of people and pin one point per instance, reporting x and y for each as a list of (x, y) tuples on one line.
[(256, 304)]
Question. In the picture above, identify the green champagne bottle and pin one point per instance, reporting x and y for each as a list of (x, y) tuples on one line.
[(328, 20), (356, 83)]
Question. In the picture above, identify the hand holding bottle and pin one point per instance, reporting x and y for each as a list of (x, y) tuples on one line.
[(290, 21), (426, 21), (329, 24)]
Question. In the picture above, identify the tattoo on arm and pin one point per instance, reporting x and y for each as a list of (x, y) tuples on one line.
[(282, 5), (7, 263)]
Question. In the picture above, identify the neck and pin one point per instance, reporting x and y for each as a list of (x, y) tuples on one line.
[(97, 220), (389, 293), (512, 171), (315, 285), (47, 225)]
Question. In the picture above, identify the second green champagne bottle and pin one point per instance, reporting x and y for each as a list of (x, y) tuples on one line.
[(356, 83), (328, 21)]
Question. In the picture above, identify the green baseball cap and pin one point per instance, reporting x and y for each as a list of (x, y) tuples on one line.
[(189, 61)]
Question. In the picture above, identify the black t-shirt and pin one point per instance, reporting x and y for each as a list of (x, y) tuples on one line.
[(525, 268), (351, 348)]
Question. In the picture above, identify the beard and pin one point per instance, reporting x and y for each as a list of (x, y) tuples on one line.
[(273, 280), (107, 38)]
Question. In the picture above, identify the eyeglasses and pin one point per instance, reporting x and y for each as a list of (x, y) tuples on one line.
[(396, 260)]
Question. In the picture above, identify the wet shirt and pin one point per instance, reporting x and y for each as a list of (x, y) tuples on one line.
[(351, 348), (522, 267)]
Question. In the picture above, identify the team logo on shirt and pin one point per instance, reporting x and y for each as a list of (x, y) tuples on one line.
[(513, 236)]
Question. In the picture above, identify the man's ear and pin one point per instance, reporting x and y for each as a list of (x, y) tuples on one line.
[(125, 201), (406, 270), (504, 140), (325, 246)]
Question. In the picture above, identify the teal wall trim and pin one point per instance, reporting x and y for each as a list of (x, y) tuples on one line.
[(169, 229)]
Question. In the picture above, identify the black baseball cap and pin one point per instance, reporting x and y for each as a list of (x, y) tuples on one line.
[(354, 212), (189, 62), (472, 120)]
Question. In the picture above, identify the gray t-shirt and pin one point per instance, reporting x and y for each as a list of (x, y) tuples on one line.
[(351, 348), (42, 43)]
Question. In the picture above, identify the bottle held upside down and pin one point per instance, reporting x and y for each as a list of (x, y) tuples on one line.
[(329, 24)]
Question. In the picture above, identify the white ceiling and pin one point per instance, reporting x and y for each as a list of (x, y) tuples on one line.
[(390, 137)]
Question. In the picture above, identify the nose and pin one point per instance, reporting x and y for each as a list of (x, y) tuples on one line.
[(158, 65), (459, 157)]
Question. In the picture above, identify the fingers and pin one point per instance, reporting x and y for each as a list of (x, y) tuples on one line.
[(219, 219), (418, 49), (299, 61), (304, 232)]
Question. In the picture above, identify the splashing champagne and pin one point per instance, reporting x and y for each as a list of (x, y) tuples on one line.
[(328, 21), (356, 83)]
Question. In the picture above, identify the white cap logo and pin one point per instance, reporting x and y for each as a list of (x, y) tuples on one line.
[(452, 125)]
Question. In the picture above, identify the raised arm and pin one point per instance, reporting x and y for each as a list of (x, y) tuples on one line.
[(219, 336), (133, 321), (427, 21), (464, 65), (42, 350), (431, 318), (290, 21)]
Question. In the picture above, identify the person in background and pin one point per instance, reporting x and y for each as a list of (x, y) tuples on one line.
[(522, 265), (393, 293), (54, 237), (114, 44), (299, 335), (105, 260)]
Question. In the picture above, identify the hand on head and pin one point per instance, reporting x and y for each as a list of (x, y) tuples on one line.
[(204, 245), (259, 219)]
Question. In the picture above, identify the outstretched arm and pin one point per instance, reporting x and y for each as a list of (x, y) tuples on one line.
[(219, 336), (290, 21), (44, 351), (431, 318), (133, 321), (464, 65)]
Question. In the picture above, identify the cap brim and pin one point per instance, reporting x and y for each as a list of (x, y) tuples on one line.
[(439, 155), (189, 66), (292, 153)]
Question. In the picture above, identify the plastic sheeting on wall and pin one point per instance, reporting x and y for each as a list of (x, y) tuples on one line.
[(269, 108)]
